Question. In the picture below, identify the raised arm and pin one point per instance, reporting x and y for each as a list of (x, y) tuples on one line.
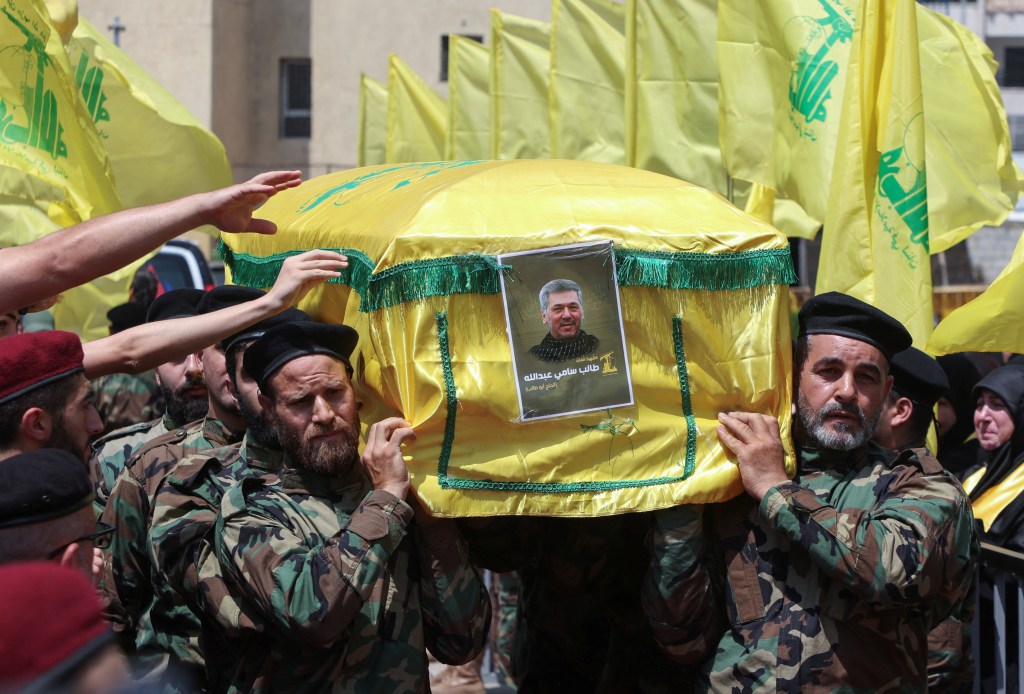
[(145, 346), (64, 259)]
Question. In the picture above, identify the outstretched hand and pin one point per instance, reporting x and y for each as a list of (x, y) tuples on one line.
[(230, 209), (757, 444), (302, 272)]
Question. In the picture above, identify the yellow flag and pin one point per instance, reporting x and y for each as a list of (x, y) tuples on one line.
[(993, 322), (586, 92), (671, 91), (875, 245), (469, 99), (157, 149), (51, 156), (520, 63), (972, 180), (373, 121), (417, 117)]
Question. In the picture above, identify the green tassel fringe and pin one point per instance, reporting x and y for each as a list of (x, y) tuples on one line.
[(262, 271), (481, 274), (714, 271)]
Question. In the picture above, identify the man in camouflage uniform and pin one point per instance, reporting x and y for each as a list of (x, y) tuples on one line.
[(918, 382), (185, 507), (184, 394), (340, 582), (125, 399), (127, 580), (833, 580)]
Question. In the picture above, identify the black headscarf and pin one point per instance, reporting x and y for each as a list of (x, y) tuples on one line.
[(963, 375)]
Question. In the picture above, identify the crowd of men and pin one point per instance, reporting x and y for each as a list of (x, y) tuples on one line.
[(241, 539)]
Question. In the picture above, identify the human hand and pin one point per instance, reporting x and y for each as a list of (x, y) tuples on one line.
[(230, 209), (757, 444), (382, 457), (97, 564), (302, 272)]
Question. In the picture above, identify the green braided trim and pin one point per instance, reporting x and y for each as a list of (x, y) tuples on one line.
[(421, 279), (451, 395), (262, 271), (715, 271), (684, 393)]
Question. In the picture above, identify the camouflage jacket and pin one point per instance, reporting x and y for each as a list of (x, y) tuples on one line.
[(126, 572), (184, 510), (126, 399), (339, 588), (831, 583), (110, 453)]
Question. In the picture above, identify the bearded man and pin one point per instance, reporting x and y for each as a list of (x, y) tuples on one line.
[(830, 581), (339, 576)]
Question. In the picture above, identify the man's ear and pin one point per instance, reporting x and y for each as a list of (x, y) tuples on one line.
[(36, 425), (264, 402), (70, 558), (903, 410)]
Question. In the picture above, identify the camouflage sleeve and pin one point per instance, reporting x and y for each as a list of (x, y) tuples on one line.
[(456, 603), (126, 581), (311, 592), (677, 595), (915, 544)]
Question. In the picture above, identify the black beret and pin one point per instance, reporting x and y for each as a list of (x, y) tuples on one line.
[(918, 376), (289, 315), (41, 485), (289, 341), (226, 296), (833, 313), (124, 316), (177, 303)]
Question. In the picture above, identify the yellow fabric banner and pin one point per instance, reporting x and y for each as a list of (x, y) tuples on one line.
[(51, 156), (704, 320), (469, 99), (587, 88), (373, 121), (157, 149), (972, 180), (875, 245), (520, 63), (993, 322), (417, 117)]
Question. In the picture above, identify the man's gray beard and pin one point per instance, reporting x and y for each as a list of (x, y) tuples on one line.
[(331, 458), (820, 435)]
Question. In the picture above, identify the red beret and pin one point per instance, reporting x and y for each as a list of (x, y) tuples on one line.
[(54, 623), (31, 360)]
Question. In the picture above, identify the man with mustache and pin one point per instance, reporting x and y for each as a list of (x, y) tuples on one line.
[(338, 576), (832, 580), (561, 309), (184, 394)]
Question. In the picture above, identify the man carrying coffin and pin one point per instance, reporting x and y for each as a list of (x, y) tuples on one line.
[(831, 580)]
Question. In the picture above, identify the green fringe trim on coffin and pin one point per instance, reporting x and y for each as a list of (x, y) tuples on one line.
[(714, 271), (422, 279), (262, 271), (481, 274)]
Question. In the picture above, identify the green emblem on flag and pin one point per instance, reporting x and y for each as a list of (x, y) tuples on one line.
[(810, 84)]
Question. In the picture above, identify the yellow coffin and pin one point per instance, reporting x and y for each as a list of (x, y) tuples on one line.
[(704, 316)]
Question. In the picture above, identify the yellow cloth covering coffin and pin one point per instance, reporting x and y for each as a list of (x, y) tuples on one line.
[(702, 286)]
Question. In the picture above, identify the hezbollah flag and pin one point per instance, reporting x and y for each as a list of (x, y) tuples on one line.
[(992, 322), (682, 311), (373, 121), (587, 86), (520, 63), (157, 149), (417, 116), (53, 167), (469, 99), (875, 244)]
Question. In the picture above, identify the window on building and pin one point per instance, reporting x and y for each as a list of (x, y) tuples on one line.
[(1013, 66), (296, 97), (444, 51)]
